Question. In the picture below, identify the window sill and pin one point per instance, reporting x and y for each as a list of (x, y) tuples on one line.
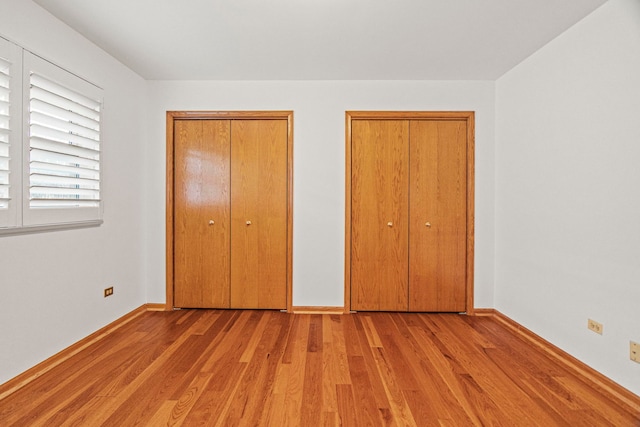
[(31, 229)]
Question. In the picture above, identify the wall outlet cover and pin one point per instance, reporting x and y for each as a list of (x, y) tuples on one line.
[(595, 326), (634, 351)]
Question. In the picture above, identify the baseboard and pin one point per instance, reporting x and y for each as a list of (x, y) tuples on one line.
[(618, 393), (156, 306), (45, 366), (317, 310)]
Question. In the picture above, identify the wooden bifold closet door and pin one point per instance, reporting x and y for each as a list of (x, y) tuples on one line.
[(380, 217), (202, 213), (409, 218), (258, 213), (231, 213)]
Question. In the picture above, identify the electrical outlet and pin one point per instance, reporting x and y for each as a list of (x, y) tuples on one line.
[(108, 291), (595, 326), (634, 351)]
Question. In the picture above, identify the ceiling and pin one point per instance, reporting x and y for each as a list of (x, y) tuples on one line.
[(320, 39)]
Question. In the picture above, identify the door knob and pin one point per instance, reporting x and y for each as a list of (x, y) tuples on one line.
[(211, 222), (248, 222), (390, 224), (428, 224)]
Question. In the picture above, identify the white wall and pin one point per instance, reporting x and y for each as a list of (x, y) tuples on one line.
[(319, 166), (51, 283), (567, 190)]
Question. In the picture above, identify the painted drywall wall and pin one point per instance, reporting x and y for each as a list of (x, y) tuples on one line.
[(567, 197), (51, 283), (319, 166)]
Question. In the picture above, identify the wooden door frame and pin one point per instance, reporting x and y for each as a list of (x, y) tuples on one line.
[(469, 117), (172, 116)]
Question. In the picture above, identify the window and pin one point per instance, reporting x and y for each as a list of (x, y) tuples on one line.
[(50, 143), (62, 145)]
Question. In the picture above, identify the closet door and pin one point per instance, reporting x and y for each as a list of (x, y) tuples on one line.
[(379, 214), (259, 214), (201, 213), (438, 212)]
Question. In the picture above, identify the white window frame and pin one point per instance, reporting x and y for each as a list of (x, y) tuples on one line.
[(21, 217)]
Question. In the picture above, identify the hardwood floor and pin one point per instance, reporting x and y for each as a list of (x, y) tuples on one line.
[(227, 367)]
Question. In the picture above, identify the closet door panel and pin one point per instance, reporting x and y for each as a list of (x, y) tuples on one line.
[(438, 189), (379, 214), (259, 214), (201, 213)]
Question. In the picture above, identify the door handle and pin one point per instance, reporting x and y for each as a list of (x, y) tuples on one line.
[(248, 222), (428, 224), (211, 222), (390, 224)]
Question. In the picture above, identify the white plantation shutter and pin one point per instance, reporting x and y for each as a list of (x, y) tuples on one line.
[(5, 130), (62, 146), (10, 124), (50, 145)]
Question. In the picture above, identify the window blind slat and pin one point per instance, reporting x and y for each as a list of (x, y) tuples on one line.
[(5, 84), (62, 102), (63, 203), (55, 181), (39, 106), (4, 148), (64, 92), (4, 192), (48, 157), (68, 171), (5, 64), (38, 131), (53, 193), (64, 126), (63, 148), (5, 93), (5, 120)]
